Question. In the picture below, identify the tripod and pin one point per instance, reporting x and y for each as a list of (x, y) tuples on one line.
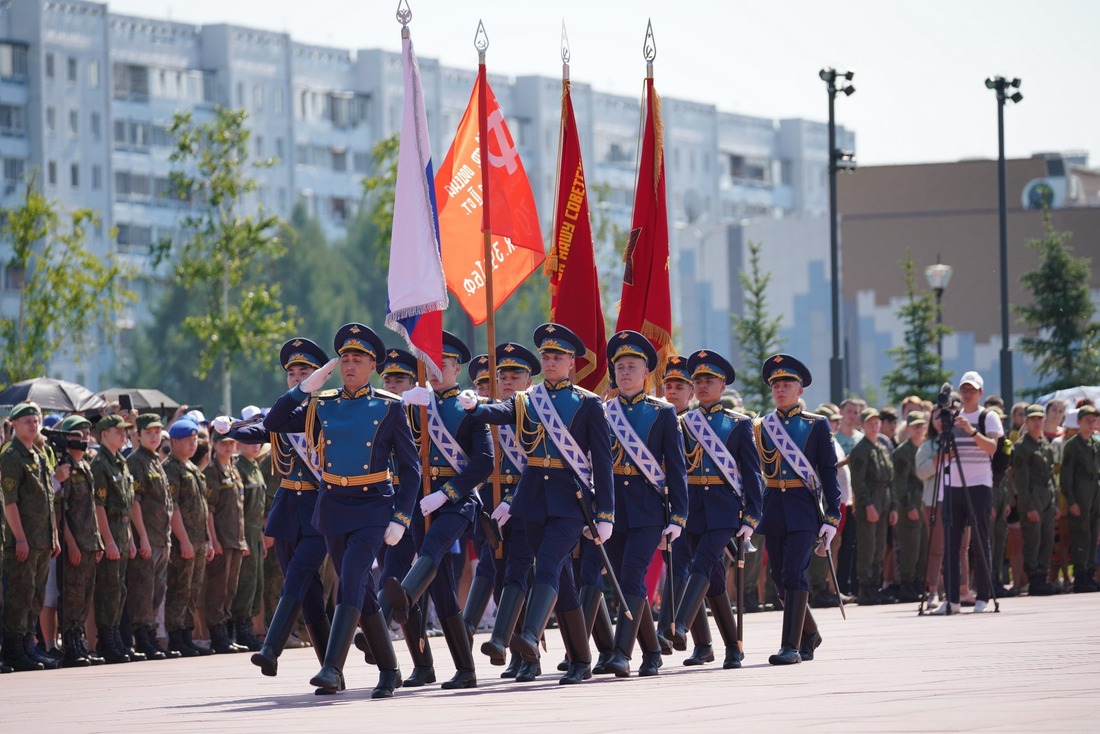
[(945, 452)]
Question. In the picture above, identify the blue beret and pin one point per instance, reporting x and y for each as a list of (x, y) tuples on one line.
[(183, 428)]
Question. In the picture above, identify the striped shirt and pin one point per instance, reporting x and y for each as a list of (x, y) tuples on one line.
[(977, 469)]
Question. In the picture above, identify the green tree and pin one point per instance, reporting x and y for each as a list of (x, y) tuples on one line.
[(917, 366), (64, 284), (237, 316), (1066, 349), (756, 331)]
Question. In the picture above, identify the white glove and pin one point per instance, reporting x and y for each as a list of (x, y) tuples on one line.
[(314, 381), (467, 399), (502, 513), (603, 529), (222, 424), (417, 396), (745, 532), (394, 532), (432, 502), (827, 532), (672, 532)]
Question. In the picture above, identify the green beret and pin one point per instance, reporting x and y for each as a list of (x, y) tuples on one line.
[(23, 410), (74, 422)]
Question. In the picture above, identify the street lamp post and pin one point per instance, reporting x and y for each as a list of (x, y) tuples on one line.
[(1002, 87), (838, 160), (938, 275)]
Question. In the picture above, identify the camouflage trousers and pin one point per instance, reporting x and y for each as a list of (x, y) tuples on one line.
[(250, 583), (78, 580), (222, 574), (145, 583), (272, 583), (26, 591), (110, 587), (184, 590), (907, 539)]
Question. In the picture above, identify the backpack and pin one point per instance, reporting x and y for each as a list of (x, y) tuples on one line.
[(1001, 459)]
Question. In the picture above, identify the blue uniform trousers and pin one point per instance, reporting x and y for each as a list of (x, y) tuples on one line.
[(353, 555), (397, 559), (551, 543), (300, 560), (630, 553), (789, 558), (706, 550), (590, 571), (436, 544), (513, 569)]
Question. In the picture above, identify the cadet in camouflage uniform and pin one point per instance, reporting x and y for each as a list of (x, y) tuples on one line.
[(31, 538), (872, 474), (225, 500), (191, 527), (908, 491), (114, 498), (148, 572), (1033, 464), (83, 547), (1079, 475), (250, 583)]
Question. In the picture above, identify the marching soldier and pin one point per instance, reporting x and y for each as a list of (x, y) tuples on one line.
[(559, 426), (31, 538), (1078, 478), (147, 574), (515, 367), (114, 496), (225, 499), (250, 581), (483, 585), (460, 459), (83, 546), (723, 496), (350, 435), (1033, 464), (478, 370), (191, 550), (650, 492), (799, 466), (872, 476)]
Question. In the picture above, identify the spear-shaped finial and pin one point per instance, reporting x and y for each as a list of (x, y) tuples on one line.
[(481, 42), (564, 51), (649, 47), (404, 15)]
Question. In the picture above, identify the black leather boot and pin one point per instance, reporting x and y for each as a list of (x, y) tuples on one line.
[(458, 642), (626, 631), (700, 635), (477, 600), (377, 632), (665, 618), (125, 640), (330, 678), (811, 638), (176, 644), (318, 633), (597, 620), (727, 627), (420, 650), (694, 591), (219, 640), (529, 670), (72, 657), (245, 635), (199, 649), (108, 648), (794, 613), (142, 644), (539, 606), (48, 662), (576, 646), (512, 670), (403, 594), (151, 631), (278, 632), (15, 656), (360, 639), (508, 611), (650, 646)]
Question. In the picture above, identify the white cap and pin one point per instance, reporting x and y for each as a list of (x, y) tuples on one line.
[(195, 415), (249, 412), (1070, 421), (973, 378)]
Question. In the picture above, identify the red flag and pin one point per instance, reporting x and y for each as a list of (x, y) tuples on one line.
[(574, 283), (517, 240), (646, 303)]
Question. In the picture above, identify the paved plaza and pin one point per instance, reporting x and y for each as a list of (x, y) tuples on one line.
[(1033, 667)]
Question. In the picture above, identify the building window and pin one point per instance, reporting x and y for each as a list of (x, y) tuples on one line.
[(258, 97), (13, 60), (93, 74), (49, 66), (279, 148), (95, 125), (259, 146), (240, 94), (51, 120), (13, 175), (339, 209), (346, 109), (339, 159), (97, 177), (13, 121), (74, 122), (51, 173), (131, 82), (279, 101), (13, 278), (74, 175), (361, 163), (71, 71)]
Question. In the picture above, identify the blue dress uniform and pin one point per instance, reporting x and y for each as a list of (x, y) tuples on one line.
[(436, 535), (715, 512), (643, 509), (508, 574), (546, 498), (298, 546), (352, 434), (792, 523)]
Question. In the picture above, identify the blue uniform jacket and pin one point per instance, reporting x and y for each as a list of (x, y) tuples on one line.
[(291, 512), (354, 436), (548, 487), (638, 504), (474, 439), (714, 505), (788, 505)]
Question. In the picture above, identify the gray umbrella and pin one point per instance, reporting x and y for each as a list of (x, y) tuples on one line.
[(144, 398), (52, 395)]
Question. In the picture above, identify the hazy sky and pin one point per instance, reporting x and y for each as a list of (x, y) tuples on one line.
[(919, 67)]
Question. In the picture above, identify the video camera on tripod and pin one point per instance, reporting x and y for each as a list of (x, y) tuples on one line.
[(949, 403), (63, 442)]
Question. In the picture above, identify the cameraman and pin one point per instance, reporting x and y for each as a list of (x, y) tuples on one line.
[(975, 436)]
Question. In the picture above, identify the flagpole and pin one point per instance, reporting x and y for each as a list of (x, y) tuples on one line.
[(481, 43)]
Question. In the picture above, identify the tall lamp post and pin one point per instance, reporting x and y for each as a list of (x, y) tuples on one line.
[(1003, 86), (838, 160), (938, 275)]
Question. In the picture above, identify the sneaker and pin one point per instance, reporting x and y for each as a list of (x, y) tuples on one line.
[(942, 609), (981, 606), (969, 599)]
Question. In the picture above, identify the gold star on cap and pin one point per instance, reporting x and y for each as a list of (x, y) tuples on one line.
[(393, 353), (702, 355), (509, 348), (550, 329), (624, 335), (355, 330), (778, 359), (674, 360), (297, 343), (483, 360)]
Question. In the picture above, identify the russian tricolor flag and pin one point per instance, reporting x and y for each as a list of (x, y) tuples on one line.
[(417, 288)]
